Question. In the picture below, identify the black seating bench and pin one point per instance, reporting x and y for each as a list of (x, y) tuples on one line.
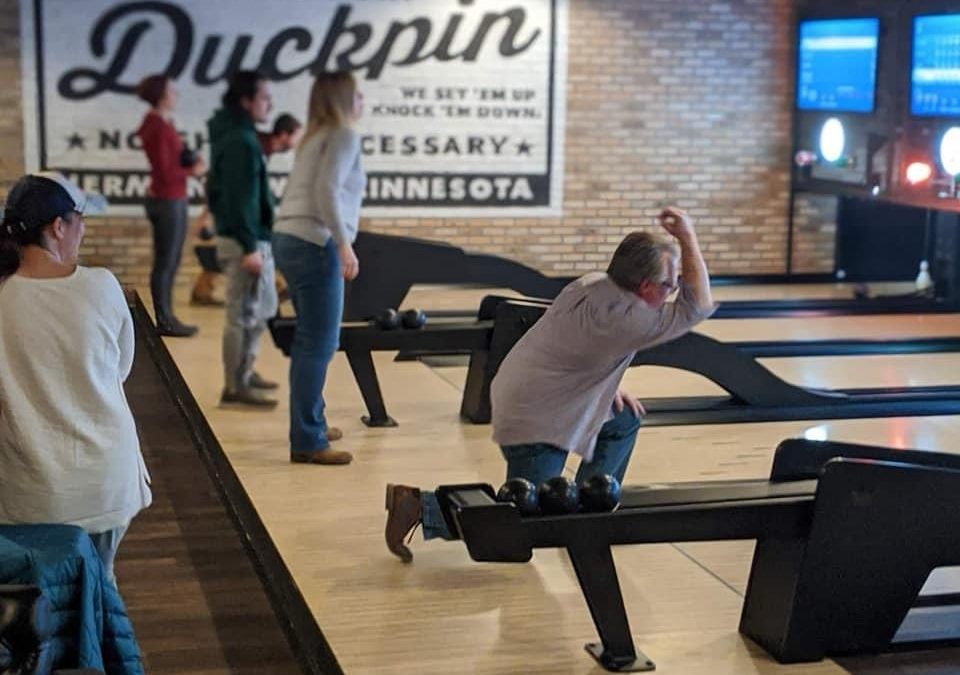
[(846, 538)]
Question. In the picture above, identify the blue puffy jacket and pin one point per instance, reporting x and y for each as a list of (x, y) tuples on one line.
[(92, 629)]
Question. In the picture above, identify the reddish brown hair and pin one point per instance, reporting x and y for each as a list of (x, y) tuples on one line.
[(152, 88)]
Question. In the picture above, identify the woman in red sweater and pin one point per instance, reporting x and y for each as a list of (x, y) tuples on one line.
[(170, 165)]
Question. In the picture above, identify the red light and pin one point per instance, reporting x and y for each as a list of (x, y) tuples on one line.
[(918, 172)]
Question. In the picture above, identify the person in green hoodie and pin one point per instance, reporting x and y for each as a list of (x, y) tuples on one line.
[(239, 197)]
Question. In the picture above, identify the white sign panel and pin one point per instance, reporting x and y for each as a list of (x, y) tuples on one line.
[(464, 98)]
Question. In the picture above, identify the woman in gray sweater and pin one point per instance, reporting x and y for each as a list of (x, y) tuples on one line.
[(313, 245)]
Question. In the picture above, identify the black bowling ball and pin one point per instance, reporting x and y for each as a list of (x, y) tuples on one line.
[(600, 493), (521, 493), (388, 319), (413, 318), (558, 495)]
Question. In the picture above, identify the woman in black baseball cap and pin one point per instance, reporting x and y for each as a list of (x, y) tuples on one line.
[(69, 451), (43, 225)]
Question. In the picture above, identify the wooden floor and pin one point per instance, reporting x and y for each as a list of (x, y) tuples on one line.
[(196, 602), (446, 614)]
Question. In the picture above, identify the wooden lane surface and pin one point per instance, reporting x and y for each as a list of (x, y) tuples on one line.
[(196, 603), (446, 614), (800, 328), (447, 297)]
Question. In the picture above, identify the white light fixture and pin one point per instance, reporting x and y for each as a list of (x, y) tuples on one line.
[(833, 139), (950, 151), (918, 172)]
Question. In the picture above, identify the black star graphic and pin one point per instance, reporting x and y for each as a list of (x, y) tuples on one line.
[(75, 140), (523, 148)]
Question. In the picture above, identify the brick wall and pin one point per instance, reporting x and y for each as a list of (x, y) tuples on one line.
[(11, 121), (668, 101), (814, 229)]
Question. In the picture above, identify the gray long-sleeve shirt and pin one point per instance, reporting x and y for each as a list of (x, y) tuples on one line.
[(324, 191), (557, 384)]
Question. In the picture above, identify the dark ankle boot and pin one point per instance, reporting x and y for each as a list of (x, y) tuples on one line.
[(175, 329), (403, 514)]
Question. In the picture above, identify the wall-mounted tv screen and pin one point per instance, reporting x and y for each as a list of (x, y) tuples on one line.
[(935, 77), (837, 64)]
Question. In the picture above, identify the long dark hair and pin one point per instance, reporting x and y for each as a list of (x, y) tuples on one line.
[(242, 85), (12, 242)]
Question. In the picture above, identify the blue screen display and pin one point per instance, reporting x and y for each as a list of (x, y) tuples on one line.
[(935, 78), (837, 64)]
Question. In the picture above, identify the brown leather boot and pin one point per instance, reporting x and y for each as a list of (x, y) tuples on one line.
[(334, 434), (202, 293), (326, 456), (403, 514)]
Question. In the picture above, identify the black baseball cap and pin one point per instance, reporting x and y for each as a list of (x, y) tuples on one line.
[(38, 199)]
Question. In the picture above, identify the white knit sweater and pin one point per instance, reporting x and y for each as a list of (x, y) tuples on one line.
[(69, 451), (325, 189)]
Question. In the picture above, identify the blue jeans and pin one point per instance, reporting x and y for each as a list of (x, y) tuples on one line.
[(538, 461), (107, 544), (315, 283)]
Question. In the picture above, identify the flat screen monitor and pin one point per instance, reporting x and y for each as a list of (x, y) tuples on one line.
[(935, 75), (837, 64)]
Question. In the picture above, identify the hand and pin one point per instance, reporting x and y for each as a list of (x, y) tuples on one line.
[(201, 223), (624, 399), (199, 167), (676, 222), (253, 263), (349, 262)]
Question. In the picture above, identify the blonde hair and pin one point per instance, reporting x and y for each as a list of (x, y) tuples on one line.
[(331, 102)]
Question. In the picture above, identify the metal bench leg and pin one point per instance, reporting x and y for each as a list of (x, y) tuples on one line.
[(361, 363), (601, 589)]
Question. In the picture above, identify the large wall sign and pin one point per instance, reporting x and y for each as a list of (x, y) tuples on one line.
[(464, 98)]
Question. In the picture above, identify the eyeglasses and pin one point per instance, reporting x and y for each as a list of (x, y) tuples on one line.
[(670, 286)]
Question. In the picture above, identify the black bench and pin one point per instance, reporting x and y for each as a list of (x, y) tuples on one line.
[(756, 394), (402, 262), (359, 340), (846, 537)]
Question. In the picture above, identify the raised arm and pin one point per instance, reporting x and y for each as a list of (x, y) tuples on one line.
[(693, 268)]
